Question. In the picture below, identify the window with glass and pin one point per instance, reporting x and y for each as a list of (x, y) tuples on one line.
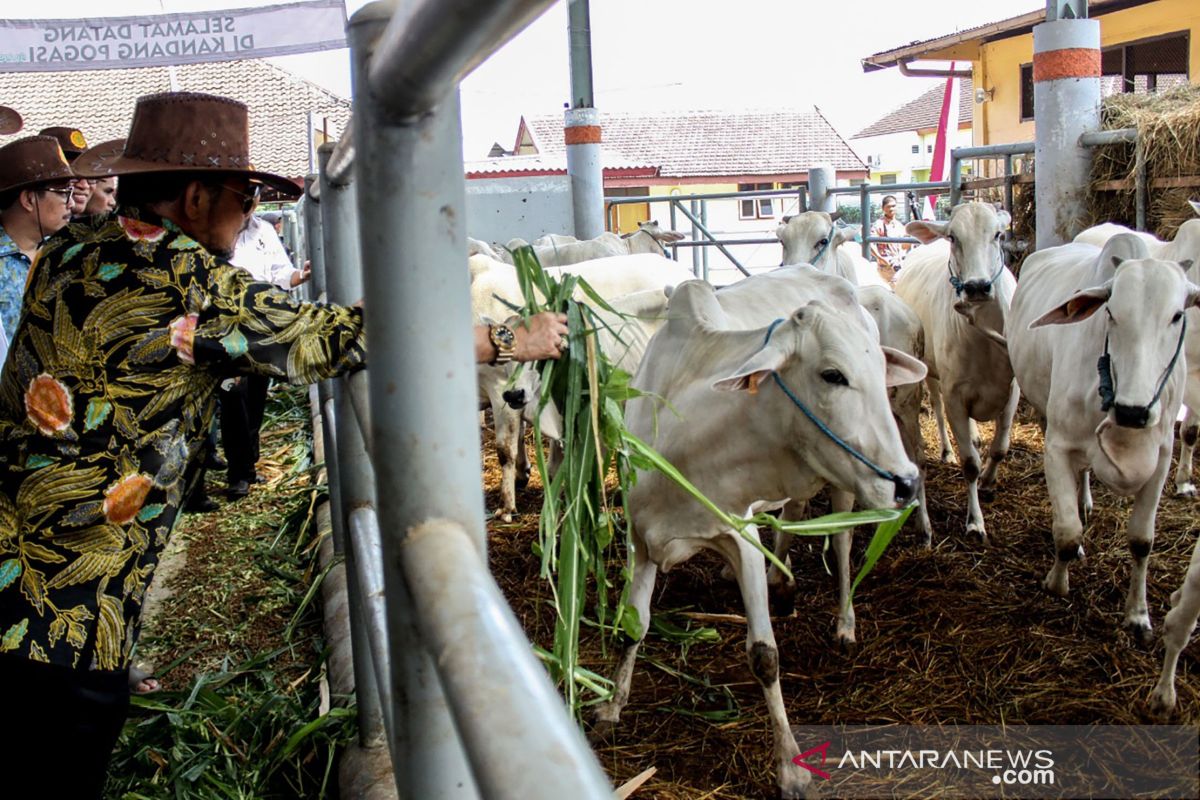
[(755, 207)]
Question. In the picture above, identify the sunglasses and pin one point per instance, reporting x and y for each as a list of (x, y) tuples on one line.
[(65, 194), (248, 198)]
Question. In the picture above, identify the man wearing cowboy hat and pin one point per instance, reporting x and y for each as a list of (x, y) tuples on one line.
[(132, 321), (73, 144), (35, 201)]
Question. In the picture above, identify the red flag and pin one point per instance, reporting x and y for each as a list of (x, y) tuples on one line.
[(947, 127)]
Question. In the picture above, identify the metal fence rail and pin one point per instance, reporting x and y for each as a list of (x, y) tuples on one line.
[(445, 677)]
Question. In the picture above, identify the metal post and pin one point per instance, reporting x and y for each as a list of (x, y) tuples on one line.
[(1008, 183), (424, 431), (696, 227), (704, 253), (821, 178), (581, 128), (1139, 183), (1066, 101), (955, 179), (351, 466), (864, 206), (313, 238)]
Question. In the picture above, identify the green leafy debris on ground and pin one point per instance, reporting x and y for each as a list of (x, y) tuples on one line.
[(239, 647)]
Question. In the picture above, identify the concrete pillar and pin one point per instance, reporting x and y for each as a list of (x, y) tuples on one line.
[(821, 178), (1066, 102), (582, 135)]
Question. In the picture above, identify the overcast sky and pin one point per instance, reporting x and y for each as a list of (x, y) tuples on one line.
[(668, 54)]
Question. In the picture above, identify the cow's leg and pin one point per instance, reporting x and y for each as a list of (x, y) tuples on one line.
[(998, 449), (844, 632), (939, 416), (508, 439), (644, 573), (1189, 431), (1140, 531), (968, 457), (522, 469), (1085, 494), (763, 655), (1177, 630), (909, 425), (1068, 530), (783, 543)]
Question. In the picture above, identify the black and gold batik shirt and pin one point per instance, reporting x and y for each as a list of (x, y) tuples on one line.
[(127, 327)]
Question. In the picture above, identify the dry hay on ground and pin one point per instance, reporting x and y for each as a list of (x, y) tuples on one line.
[(1169, 127), (953, 634)]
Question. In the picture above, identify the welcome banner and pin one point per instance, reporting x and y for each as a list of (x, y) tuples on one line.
[(53, 45)]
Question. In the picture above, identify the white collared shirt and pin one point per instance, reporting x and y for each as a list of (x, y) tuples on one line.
[(259, 252)]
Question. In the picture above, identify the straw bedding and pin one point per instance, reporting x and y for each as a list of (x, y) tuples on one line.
[(957, 633)]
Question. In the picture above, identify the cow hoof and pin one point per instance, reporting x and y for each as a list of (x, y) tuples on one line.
[(782, 599), (604, 723), (523, 483), (987, 494), (846, 644), (795, 782), (1162, 702), (1059, 587), (506, 516), (1186, 490), (1140, 630), (948, 457), (977, 529)]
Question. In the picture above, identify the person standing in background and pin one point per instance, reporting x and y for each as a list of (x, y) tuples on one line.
[(888, 255)]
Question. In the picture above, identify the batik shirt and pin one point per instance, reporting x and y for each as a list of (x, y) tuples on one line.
[(14, 269), (107, 392)]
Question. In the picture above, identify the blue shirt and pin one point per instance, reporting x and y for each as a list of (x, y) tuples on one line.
[(14, 271)]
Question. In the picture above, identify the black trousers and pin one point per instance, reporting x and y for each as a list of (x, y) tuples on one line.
[(60, 726), (242, 408)]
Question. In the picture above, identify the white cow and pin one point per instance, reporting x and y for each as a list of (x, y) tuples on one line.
[(814, 237), (748, 447), (1108, 384), (960, 289), (495, 292), (648, 238), (1185, 247)]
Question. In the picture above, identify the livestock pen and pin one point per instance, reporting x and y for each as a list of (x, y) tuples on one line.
[(960, 633)]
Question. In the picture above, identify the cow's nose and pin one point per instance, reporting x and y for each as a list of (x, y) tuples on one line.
[(1131, 416), (977, 290), (906, 489), (515, 398)]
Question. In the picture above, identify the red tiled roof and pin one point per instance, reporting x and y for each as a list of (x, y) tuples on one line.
[(922, 113), (713, 143), (100, 103)]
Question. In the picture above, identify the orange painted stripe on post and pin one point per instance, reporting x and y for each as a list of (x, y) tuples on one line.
[(582, 134), (1073, 62)]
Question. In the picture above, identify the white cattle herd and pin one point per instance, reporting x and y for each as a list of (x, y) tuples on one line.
[(821, 366)]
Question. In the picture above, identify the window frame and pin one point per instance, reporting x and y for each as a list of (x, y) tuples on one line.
[(764, 207)]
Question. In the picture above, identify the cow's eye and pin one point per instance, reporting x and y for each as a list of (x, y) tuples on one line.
[(1178, 316), (950, 238), (835, 377), (823, 242), (999, 234)]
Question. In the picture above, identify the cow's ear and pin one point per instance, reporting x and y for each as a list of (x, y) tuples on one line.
[(836, 215), (787, 218), (758, 368), (780, 230), (901, 368), (1186, 264), (671, 236), (926, 231), (1078, 307), (844, 233)]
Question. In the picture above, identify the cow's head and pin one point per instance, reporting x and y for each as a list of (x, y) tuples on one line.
[(1144, 304), (813, 238), (975, 232), (828, 361)]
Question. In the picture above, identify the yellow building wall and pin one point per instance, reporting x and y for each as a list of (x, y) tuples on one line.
[(998, 67)]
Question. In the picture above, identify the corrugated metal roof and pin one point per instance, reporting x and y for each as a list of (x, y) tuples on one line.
[(714, 143), (923, 112), (100, 103), (544, 163)]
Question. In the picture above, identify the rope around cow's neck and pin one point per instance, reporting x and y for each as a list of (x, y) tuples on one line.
[(821, 426), (1107, 392), (958, 284)]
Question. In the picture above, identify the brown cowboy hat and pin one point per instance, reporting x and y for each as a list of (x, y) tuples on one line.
[(182, 132), (70, 139), (10, 121), (32, 160)]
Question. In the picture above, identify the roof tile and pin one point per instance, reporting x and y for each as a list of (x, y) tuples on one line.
[(922, 113)]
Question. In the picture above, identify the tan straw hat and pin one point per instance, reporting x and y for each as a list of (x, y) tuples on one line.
[(182, 132), (32, 160), (10, 121)]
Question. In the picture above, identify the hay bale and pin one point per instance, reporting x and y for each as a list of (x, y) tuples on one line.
[(1168, 124)]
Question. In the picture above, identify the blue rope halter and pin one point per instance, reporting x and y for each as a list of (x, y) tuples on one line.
[(958, 284), (821, 426), (1108, 395)]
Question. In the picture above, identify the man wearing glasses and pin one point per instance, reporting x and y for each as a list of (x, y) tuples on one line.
[(35, 201)]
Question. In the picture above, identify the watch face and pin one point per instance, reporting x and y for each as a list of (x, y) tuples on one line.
[(503, 335)]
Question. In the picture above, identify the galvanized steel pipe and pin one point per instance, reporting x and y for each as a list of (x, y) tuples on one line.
[(429, 46), (495, 686)]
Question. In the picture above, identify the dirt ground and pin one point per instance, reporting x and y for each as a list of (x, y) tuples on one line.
[(956, 633)]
